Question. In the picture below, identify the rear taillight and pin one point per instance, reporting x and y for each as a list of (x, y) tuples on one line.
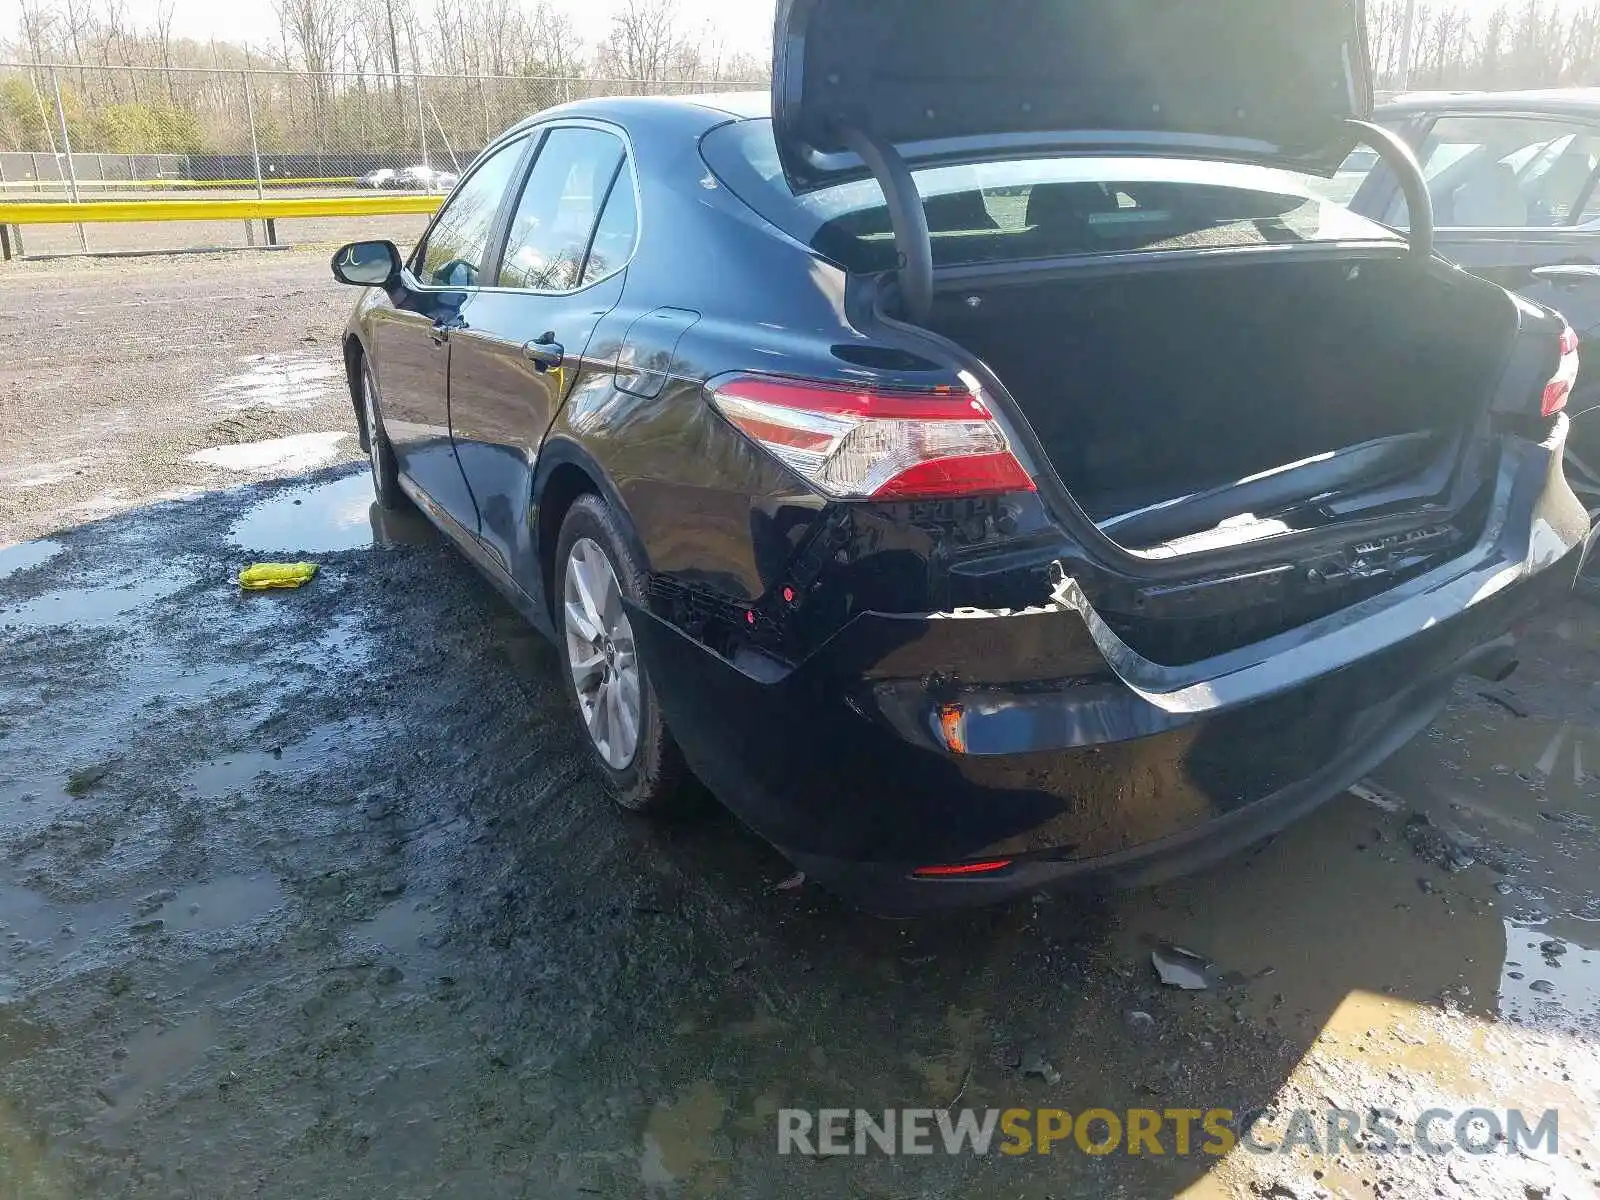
[(1561, 383), (958, 870), (862, 443)]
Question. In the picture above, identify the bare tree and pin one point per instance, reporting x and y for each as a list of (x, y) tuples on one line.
[(645, 42), (1491, 48)]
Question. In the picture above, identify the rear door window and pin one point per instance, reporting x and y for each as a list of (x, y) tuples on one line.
[(617, 231), (1498, 172), (548, 240)]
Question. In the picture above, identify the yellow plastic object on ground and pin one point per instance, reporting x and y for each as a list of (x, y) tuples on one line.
[(261, 576)]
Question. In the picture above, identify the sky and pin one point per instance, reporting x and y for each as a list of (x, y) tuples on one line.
[(746, 24)]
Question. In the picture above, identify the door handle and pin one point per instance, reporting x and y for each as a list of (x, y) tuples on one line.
[(545, 356), (1568, 274), (439, 331)]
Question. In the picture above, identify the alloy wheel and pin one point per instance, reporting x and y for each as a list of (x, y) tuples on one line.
[(601, 653)]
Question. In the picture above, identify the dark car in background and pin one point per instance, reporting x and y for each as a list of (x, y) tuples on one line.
[(979, 480), (1512, 176)]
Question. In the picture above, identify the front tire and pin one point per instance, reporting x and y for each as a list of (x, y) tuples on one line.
[(380, 454), (610, 689)]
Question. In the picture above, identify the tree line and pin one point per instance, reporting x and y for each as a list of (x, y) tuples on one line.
[(1531, 44), (348, 70), (352, 61)]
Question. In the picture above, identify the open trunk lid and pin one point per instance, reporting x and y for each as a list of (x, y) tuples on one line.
[(1259, 81)]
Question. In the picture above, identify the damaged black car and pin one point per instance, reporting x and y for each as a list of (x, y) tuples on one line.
[(984, 463)]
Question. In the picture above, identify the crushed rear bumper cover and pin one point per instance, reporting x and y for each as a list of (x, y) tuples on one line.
[(1040, 737)]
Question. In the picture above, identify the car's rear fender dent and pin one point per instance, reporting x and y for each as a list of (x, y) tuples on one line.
[(565, 471)]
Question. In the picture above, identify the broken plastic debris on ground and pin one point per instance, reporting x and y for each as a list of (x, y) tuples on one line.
[(261, 577)]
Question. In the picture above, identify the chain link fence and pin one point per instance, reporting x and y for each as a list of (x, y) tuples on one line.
[(100, 131)]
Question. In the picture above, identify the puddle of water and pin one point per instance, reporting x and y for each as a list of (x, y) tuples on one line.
[(678, 1141), (1332, 906), (332, 516), (171, 682), (89, 607), (231, 774), (156, 1056), (276, 381), (25, 555), (1549, 982), (302, 452), (1547, 761), (221, 904), (31, 801), (37, 933), (399, 927), (27, 914), (234, 772)]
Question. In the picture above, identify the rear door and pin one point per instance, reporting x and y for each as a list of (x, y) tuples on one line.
[(412, 339), (520, 349), (1512, 193)]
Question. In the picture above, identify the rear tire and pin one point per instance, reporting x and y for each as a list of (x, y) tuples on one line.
[(380, 454), (616, 706)]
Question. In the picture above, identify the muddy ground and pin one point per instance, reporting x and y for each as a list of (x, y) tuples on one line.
[(310, 893)]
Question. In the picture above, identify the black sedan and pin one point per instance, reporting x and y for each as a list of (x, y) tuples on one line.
[(980, 481), (1515, 182)]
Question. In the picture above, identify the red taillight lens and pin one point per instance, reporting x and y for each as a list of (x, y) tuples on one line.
[(1566, 376), (958, 869), (860, 443)]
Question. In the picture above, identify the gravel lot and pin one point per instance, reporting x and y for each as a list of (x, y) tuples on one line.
[(309, 894)]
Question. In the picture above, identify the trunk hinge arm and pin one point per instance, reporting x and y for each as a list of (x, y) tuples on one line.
[(1419, 202), (913, 245)]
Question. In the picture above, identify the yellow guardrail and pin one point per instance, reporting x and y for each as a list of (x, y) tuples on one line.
[(58, 212), (62, 185)]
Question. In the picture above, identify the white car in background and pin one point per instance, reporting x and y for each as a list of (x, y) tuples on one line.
[(425, 179)]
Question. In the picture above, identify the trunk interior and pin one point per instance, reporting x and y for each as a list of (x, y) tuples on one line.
[(1150, 387)]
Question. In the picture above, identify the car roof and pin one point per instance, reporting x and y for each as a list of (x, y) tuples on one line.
[(1576, 102), (747, 106), (704, 110)]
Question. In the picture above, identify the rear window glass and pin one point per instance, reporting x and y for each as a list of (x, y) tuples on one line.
[(1038, 207)]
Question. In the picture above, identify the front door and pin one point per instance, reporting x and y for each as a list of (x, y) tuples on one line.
[(412, 366), (412, 339), (520, 349)]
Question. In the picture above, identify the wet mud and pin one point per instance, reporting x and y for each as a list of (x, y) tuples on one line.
[(312, 893)]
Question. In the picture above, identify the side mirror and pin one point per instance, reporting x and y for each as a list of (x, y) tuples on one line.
[(367, 264), (1570, 274)]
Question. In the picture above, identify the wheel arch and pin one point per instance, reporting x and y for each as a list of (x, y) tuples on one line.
[(565, 473), (354, 354)]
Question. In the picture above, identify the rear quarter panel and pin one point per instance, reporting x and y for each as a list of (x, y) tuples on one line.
[(711, 510)]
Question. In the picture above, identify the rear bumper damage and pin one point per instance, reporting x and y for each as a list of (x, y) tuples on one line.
[(1040, 738)]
